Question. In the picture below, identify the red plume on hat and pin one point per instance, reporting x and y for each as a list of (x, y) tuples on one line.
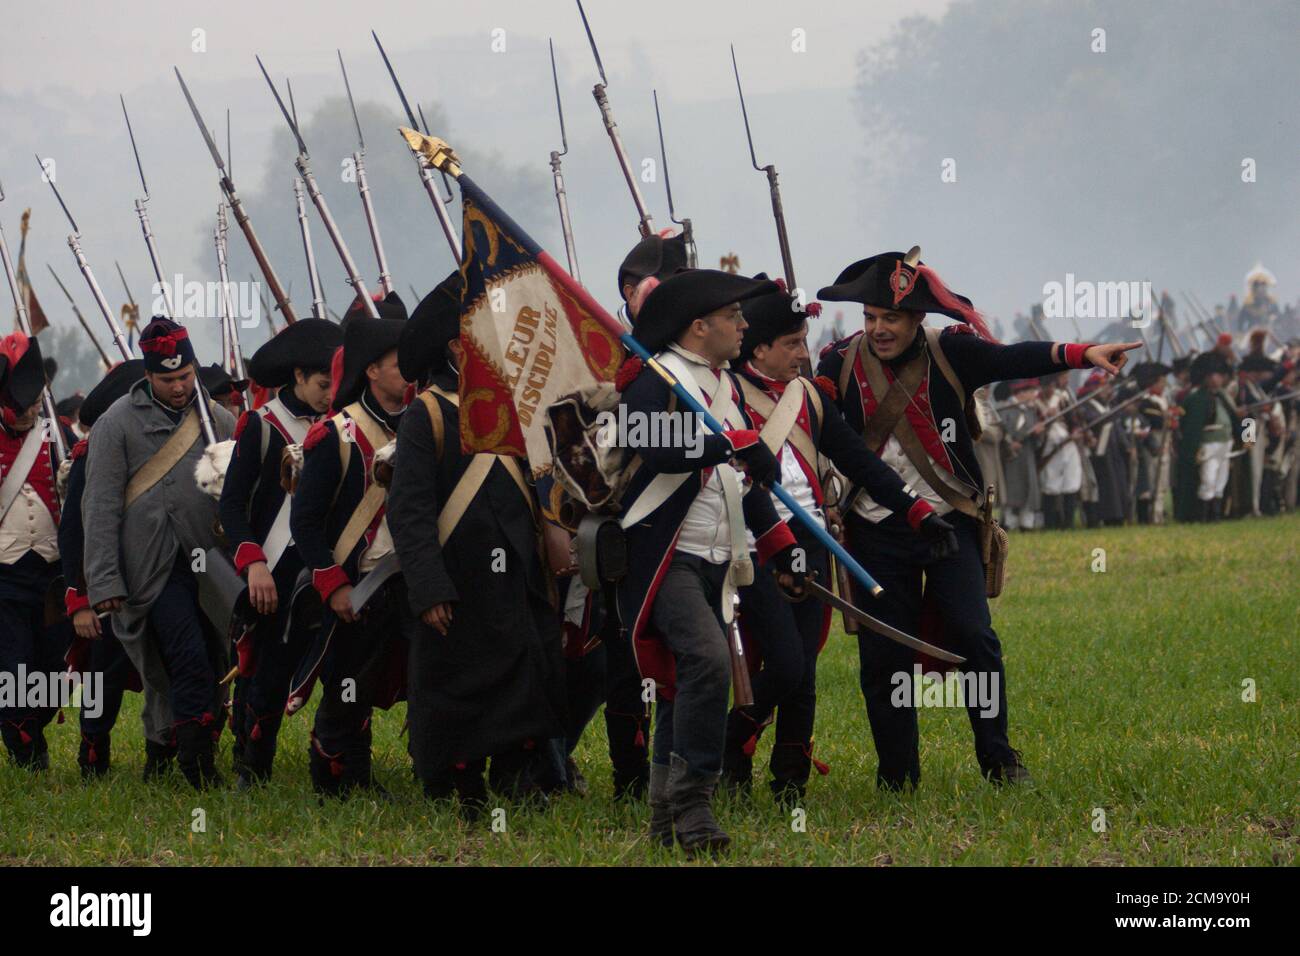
[(948, 300)]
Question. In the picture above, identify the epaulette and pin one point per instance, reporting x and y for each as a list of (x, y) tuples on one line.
[(957, 328), (239, 425), (315, 434), (80, 448), (827, 387), (839, 345), (627, 373)]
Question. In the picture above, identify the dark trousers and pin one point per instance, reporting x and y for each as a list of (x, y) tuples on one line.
[(789, 635), (1058, 510), (688, 614), (25, 640), (899, 560), (108, 659), (177, 626)]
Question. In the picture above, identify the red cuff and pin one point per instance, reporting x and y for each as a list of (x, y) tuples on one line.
[(742, 438), (328, 580), (74, 601), (1073, 353), (248, 553), (918, 513), (774, 539)]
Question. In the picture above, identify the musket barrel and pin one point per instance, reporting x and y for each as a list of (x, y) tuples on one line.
[(313, 277), (561, 199), (259, 254), (646, 225), (332, 230), (439, 208), (74, 243), (236, 353), (147, 230), (363, 187)]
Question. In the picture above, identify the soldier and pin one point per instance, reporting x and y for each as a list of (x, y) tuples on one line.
[(339, 523), (1023, 439), (146, 520), (225, 391), (29, 549), (808, 434), (95, 648), (907, 388), (1205, 434), (1108, 449), (485, 670), (1151, 436), (659, 256), (255, 517), (685, 514), (1060, 464)]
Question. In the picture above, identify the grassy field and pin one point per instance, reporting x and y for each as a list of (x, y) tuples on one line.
[(1126, 694)]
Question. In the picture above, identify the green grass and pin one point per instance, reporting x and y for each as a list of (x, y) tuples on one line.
[(1125, 694)]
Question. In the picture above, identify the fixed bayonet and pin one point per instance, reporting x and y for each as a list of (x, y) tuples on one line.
[(236, 354), (302, 162), (237, 207), (363, 187), (646, 224), (561, 197), (688, 234), (103, 356), (143, 214), (25, 326), (426, 172)]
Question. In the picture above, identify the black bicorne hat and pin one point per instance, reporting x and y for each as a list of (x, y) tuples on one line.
[(1208, 363), (653, 256), (22, 371), (307, 344), (390, 306), (365, 340), (436, 321), (217, 381), (115, 383), (769, 317), (682, 298), (1257, 363), (1148, 373)]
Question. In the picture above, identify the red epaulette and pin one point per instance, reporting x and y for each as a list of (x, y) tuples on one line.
[(315, 434), (239, 425), (958, 328), (627, 373), (837, 346), (827, 387)]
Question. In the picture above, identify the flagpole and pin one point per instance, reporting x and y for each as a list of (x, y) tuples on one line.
[(439, 155)]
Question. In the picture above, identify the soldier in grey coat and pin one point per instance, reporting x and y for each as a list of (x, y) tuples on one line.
[(1022, 440), (142, 553)]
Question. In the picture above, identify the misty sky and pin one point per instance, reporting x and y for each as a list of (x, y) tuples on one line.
[(1010, 223)]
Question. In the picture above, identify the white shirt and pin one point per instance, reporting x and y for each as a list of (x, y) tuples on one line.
[(381, 547), (893, 456)]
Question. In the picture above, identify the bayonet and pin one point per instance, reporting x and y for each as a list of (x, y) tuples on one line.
[(646, 224), (266, 306), (688, 234), (236, 355), (363, 187), (561, 197), (25, 326), (103, 356), (143, 215), (302, 162), (237, 208), (426, 172)]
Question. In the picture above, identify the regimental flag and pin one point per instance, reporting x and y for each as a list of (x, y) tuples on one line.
[(531, 335), (35, 314)]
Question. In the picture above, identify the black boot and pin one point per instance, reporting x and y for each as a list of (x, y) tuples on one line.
[(325, 769), (512, 776), (1012, 772), (690, 793), (94, 756), (628, 754), (257, 750), (791, 764), (196, 754), (158, 759), (471, 790), (743, 731), (661, 810), (26, 744)]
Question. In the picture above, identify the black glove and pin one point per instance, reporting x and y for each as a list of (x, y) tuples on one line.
[(760, 464), (783, 562), (941, 536)]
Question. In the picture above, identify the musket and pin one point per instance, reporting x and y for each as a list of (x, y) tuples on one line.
[(1286, 396), (426, 173), (25, 326), (303, 165), (74, 243), (236, 354), (237, 207), (363, 186), (313, 277), (778, 210), (1218, 326), (742, 688), (143, 215), (103, 356), (688, 234), (646, 224), (561, 197)]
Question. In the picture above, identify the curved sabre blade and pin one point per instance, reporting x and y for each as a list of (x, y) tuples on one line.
[(880, 627)]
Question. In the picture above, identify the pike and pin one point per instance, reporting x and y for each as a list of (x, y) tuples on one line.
[(103, 356), (237, 207), (688, 234), (437, 153), (302, 163), (25, 326), (832, 599), (363, 186), (561, 197), (426, 173), (74, 243), (236, 354), (143, 215), (646, 224)]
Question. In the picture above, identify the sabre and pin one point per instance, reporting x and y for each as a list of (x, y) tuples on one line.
[(302, 163), (688, 234), (363, 186), (25, 326), (778, 210), (439, 154), (74, 243), (426, 173), (880, 627), (143, 215), (646, 224), (236, 353), (237, 207), (103, 356), (561, 197)]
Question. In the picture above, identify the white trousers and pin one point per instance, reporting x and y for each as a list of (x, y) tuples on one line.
[(1214, 469)]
